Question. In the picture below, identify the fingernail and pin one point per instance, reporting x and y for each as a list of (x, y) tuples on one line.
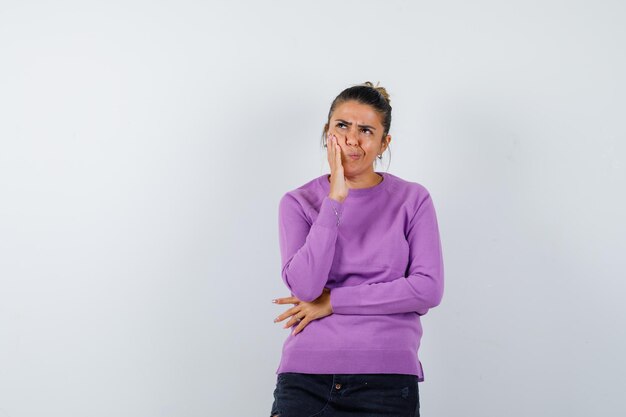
[(274, 300)]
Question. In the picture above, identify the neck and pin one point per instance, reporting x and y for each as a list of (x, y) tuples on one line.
[(365, 180)]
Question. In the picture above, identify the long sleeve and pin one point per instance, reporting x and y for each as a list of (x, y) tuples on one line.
[(419, 291), (307, 250)]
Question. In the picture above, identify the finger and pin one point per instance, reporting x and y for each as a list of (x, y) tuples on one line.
[(337, 154), (286, 300), (301, 326), (331, 152), (295, 319), (290, 323), (290, 312)]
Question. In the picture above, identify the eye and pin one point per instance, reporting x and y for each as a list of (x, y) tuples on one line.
[(339, 123), (367, 131)]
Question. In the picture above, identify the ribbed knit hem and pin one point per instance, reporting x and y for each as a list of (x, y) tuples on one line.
[(351, 361)]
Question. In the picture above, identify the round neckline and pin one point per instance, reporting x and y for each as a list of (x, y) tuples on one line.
[(358, 192)]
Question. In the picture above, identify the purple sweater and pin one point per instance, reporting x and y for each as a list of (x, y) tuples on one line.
[(380, 256)]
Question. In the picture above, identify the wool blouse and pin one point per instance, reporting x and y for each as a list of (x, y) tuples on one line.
[(379, 253)]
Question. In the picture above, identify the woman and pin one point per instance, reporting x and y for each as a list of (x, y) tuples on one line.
[(362, 258)]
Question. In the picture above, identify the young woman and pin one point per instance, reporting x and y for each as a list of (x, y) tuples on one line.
[(362, 258)]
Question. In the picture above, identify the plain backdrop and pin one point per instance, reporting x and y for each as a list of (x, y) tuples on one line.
[(144, 146)]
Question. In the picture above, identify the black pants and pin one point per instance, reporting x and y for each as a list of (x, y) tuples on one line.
[(343, 395)]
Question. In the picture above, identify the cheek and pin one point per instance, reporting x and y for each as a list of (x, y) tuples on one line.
[(370, 146), (336, 131), (339, 134)]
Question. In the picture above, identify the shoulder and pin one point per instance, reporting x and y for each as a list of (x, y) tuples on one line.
[(415, 198), (407, 189)]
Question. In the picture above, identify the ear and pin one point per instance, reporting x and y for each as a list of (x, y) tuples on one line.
[(386, 142)]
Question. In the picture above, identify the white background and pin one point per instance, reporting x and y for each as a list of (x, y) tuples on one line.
[(144, 146)]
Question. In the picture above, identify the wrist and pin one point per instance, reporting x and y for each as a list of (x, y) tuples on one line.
[(336, 198)]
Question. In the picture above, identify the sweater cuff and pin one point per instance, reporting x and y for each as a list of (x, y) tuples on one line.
[(345, 300), (330, 213)]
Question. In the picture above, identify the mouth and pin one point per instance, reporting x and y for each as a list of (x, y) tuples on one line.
[(354, 156)]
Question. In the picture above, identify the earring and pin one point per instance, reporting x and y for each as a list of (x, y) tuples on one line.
[(380, 156)]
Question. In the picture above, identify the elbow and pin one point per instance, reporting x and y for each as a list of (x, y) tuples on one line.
[(303, 289), (436, 293), (306, 294), (307, 297), (436, 298), (429, 292)]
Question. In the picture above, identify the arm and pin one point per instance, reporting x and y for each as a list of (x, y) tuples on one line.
[(307, 250), (421, 290)]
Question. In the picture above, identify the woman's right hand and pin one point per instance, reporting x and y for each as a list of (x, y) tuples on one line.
[(338, 185)]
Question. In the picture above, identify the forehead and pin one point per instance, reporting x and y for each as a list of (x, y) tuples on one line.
[(353, 111)]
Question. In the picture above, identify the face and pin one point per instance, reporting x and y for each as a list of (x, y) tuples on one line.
[(358, 128)]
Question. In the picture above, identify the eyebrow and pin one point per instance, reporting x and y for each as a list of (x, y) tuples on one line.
[(350, 124)]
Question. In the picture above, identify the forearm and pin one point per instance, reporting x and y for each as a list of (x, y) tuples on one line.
[(308, 255), (418, 291), (415, 293)]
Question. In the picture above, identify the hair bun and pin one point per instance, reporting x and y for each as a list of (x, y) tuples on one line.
[(381, 90)]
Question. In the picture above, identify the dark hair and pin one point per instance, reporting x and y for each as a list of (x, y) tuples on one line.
[(366, 93)]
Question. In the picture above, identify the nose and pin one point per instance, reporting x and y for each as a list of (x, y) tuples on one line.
[(351, 137)]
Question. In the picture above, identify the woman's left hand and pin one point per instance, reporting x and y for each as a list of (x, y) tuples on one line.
[(304, 312)]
